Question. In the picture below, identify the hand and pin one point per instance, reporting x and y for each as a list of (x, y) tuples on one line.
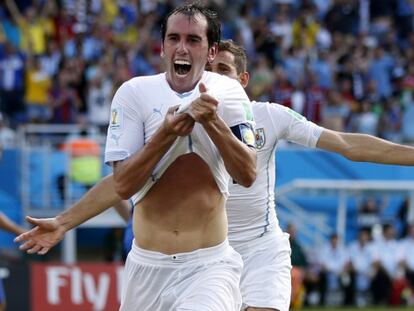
[(39, 240), (204, 108), (178, 124)]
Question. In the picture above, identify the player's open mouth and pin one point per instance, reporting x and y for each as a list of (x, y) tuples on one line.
[(182, 67)]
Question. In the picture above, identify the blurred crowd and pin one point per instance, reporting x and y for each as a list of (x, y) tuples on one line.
[(345, 64), (372, 270)]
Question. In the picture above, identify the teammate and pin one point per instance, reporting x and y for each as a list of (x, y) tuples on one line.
[(173, 147), (254, 229), (9, 226)]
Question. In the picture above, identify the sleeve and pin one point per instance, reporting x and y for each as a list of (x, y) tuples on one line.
[(126, 126), (295, 127), (236, 111), (235, 107)]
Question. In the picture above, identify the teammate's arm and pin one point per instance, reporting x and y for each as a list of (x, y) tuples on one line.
[(365, 148), (50, 231), (239, 159), (123, 209), (9, 225)]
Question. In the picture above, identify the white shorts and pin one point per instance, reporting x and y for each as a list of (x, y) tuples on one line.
[(266, 279), (202, 280)]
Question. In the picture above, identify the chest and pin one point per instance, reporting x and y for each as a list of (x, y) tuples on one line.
[(157, 108)]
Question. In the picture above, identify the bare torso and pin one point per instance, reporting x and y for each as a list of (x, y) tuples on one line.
[(183, 211)]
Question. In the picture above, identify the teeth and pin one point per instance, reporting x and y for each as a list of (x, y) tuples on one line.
[(182, 62)]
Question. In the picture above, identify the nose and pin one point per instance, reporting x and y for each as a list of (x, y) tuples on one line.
[(182, 47)]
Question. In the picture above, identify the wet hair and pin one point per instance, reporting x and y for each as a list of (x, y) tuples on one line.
[(191, 10), (239, 53)]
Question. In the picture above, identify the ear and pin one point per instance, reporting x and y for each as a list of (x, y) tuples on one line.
[(244, 79), (162, 54), (212, 52)]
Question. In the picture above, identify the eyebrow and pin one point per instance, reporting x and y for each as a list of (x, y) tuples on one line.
[(192, 36), (224, 65)]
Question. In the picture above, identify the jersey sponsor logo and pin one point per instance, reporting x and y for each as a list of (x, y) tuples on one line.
[(295, 114), (248, 111), (260, 138), (116, 119)]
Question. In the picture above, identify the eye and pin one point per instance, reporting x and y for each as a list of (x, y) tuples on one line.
[(172, 38), (194, 39)]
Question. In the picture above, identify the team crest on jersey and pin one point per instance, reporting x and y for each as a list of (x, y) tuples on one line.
[(115, 123), (260, 138)]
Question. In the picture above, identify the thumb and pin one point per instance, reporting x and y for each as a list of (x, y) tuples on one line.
[(43, 223), (202, 87)]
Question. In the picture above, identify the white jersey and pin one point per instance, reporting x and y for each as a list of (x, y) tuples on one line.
[(251, 211), (138, 110)]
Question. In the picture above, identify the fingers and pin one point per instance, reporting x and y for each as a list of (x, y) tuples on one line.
[(184, 128), (202, 87), (26, 235), (27, 245), (33, 221), (43, 251), (35, 249), (205, 97), (44, 223), (172, 109)]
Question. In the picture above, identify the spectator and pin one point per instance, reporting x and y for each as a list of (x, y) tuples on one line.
[(390, 120), (387, 256), (366, 121), (37, 91), (361, 259), (407, 260), (64, 100), (33, 24), (12, 84), (369, 214), (85, 166), (333, 259), (7, 135)]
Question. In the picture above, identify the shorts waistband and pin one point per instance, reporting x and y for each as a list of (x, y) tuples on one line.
[(201, 255), (270, 237)]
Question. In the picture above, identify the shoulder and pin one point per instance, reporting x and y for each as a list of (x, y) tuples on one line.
[(138, 86), (272, 110), (220, 84), (145, 81)]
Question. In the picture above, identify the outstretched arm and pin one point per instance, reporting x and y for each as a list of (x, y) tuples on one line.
[(50, 231), (366, 148), (9, 225), (123, 209)]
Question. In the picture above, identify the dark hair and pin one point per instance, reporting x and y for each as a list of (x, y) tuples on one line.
[(239, 53), (192, 9)]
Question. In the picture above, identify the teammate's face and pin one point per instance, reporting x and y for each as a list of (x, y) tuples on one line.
[(185, 51), (224, 64)]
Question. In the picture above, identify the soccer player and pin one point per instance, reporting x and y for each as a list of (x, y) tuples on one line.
[(254, 229), (173, 147)]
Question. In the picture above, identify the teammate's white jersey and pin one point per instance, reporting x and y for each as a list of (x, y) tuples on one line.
[(138, 110), (251, 211)]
